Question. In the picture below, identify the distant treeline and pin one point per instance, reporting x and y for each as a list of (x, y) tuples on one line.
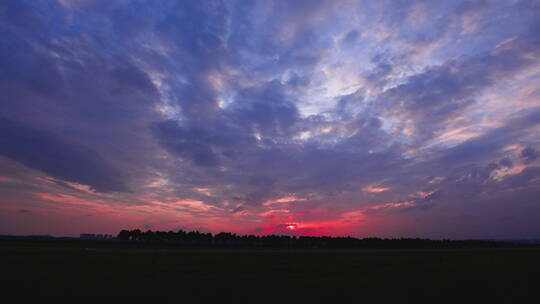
[(227, 239)]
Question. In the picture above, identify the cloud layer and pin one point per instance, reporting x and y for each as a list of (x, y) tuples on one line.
[(364, 118)]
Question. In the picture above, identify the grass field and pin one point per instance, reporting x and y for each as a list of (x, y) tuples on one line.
[(438, 275)]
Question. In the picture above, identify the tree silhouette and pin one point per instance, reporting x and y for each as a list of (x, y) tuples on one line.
[(228, 239)]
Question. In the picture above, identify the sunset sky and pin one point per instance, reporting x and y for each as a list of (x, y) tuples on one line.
[(361, 118)]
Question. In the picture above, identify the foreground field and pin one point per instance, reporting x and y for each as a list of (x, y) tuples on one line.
[(281, 274)]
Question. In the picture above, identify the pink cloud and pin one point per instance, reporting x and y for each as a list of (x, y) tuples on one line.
[(375, 189)]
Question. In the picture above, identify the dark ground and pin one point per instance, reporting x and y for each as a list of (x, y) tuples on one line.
[(453, 275)]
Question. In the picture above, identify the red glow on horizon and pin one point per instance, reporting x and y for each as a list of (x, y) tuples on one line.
[(169, 213), (323, 228)]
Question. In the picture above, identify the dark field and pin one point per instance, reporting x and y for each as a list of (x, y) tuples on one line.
[(243, 274)]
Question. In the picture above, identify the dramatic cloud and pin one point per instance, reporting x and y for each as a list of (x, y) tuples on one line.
[(364, 118), (70, 162)]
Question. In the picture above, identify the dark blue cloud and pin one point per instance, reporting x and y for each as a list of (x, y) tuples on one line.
[(193, 144), (443, 92), (265, 109), (529, 154), (351, 37), (68, 161), (491, 143), (70, 87)]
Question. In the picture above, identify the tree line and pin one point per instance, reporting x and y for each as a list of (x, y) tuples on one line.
[(227, 239)]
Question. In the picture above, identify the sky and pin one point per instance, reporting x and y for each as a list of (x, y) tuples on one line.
[(342, 118)]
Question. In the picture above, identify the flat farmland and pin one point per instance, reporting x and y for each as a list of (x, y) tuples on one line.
[(234, 274)]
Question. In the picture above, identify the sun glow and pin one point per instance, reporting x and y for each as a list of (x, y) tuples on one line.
[(291, 227)]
